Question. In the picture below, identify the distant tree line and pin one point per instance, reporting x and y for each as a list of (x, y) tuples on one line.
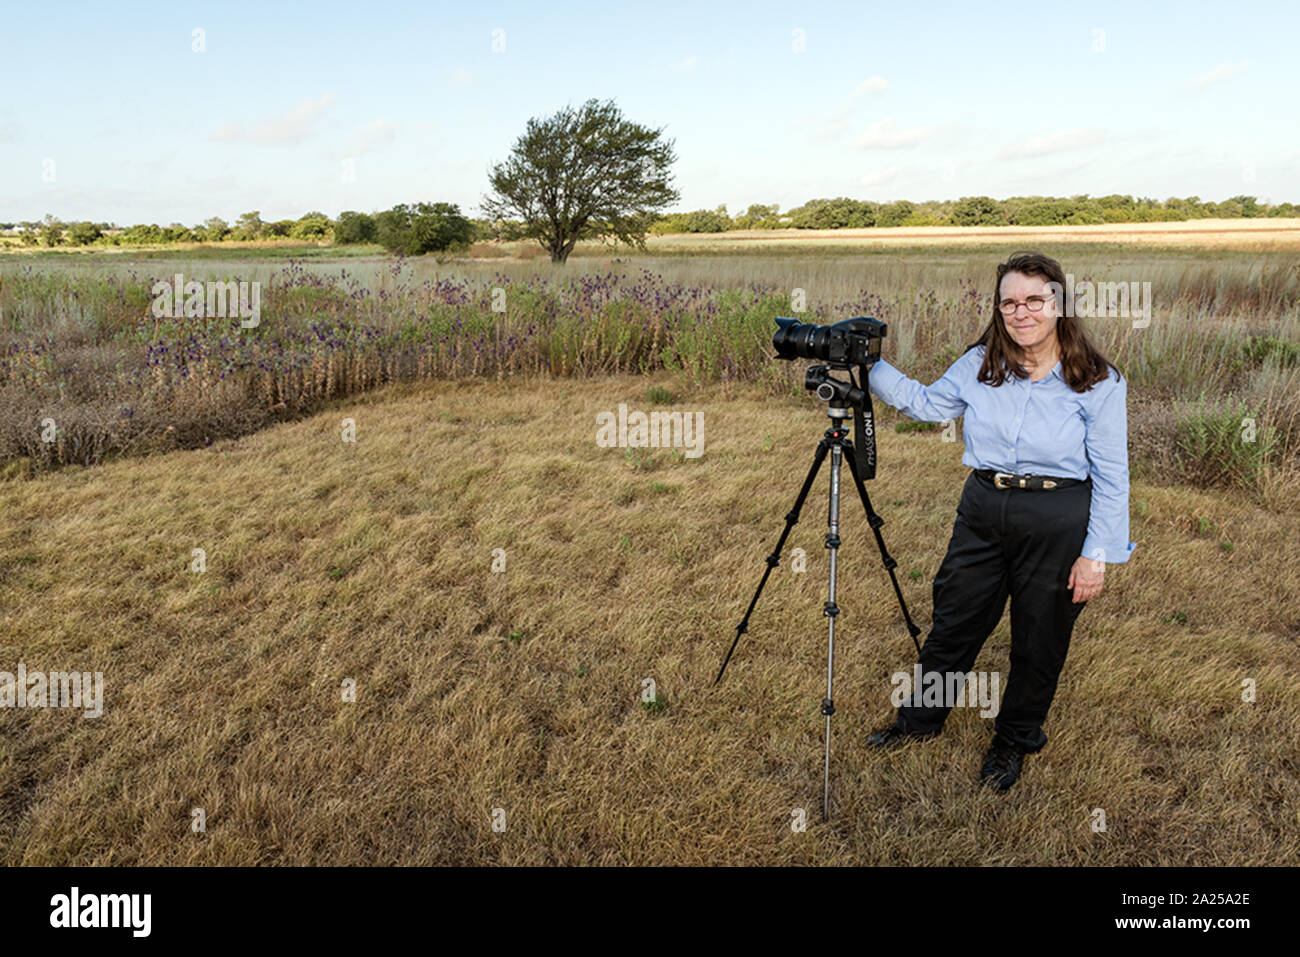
[(50, 231), (406, 229), (414, 229), (845, 213)]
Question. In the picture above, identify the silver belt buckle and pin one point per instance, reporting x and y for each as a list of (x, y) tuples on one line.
[(999, 476)]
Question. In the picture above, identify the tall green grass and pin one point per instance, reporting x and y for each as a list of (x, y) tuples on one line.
[(79, 347)]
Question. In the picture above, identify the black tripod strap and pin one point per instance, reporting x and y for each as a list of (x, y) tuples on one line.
[(864, 426)]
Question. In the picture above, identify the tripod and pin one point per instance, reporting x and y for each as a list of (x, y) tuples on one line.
[(836, 441)]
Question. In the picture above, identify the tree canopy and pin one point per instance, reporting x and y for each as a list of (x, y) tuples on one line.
[(583, 174)]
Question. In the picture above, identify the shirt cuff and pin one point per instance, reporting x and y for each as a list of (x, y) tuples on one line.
[(1112, 554)]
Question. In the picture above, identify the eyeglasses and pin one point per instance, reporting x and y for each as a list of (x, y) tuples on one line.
[(1033, 304)]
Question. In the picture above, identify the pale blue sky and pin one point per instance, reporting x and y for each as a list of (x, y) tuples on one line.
[(109, 114)]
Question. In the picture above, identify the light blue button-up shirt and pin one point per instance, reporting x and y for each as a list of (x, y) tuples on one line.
[(1033, 428)]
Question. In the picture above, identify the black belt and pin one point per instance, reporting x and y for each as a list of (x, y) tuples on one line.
[(1005, 480)]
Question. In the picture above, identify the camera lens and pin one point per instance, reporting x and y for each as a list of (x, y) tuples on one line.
[(800, 340)]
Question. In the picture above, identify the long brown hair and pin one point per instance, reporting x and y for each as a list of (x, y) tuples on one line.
[(1082, 365)]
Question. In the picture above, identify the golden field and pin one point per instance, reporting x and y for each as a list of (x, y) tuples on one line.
[(520, 690)]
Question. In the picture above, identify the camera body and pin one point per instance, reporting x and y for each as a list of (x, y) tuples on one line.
[(845, 344), (852, 342)]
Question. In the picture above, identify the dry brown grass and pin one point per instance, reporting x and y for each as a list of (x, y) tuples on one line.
[(371, 561)]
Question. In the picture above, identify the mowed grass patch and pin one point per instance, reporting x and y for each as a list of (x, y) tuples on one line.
[(331, 564)]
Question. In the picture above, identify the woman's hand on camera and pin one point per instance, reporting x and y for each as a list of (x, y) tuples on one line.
[(1086, 578)]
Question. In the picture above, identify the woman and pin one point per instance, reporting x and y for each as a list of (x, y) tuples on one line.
[(1043, 511)]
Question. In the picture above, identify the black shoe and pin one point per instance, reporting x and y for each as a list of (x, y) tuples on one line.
[(893, 736), (1001, 764)]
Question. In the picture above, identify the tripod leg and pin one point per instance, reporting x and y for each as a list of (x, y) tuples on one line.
[(774, 559), (875, 521), (832, 610)]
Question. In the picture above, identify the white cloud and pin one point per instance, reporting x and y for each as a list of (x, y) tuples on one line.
[(1059, 142), (461, 77), (880, 177), (8, 133), (872, 84), (831, 129), (882, 135), (686, 66), (836, 121), (288, 129), (1054, 176), (372, 136), (1220, 72), (222, 181)]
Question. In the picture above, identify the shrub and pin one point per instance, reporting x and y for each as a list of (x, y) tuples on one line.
[(354, 227), (1223, 445), (895, 214), (213, 230), (1053, 212), (839, 213), (311, 226), (978, 211), (423, 228), (83, 234), (142, 234), (698, 221)]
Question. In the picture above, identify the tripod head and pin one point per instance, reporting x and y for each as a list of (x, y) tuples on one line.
[(845, 400), (845, 395)]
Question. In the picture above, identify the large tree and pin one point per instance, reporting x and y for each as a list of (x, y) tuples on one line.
[(583, 174)]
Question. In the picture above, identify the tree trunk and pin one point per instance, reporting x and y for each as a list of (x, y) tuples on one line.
[(560, 251)]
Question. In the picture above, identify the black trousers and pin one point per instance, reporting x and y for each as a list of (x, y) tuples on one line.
[(1005, 543)]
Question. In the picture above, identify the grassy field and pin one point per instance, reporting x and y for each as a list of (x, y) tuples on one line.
[(514, 696), (79, 348), (521, 689), (1270, 234)]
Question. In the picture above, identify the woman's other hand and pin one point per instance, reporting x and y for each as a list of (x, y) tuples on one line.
[(1086, 578)]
